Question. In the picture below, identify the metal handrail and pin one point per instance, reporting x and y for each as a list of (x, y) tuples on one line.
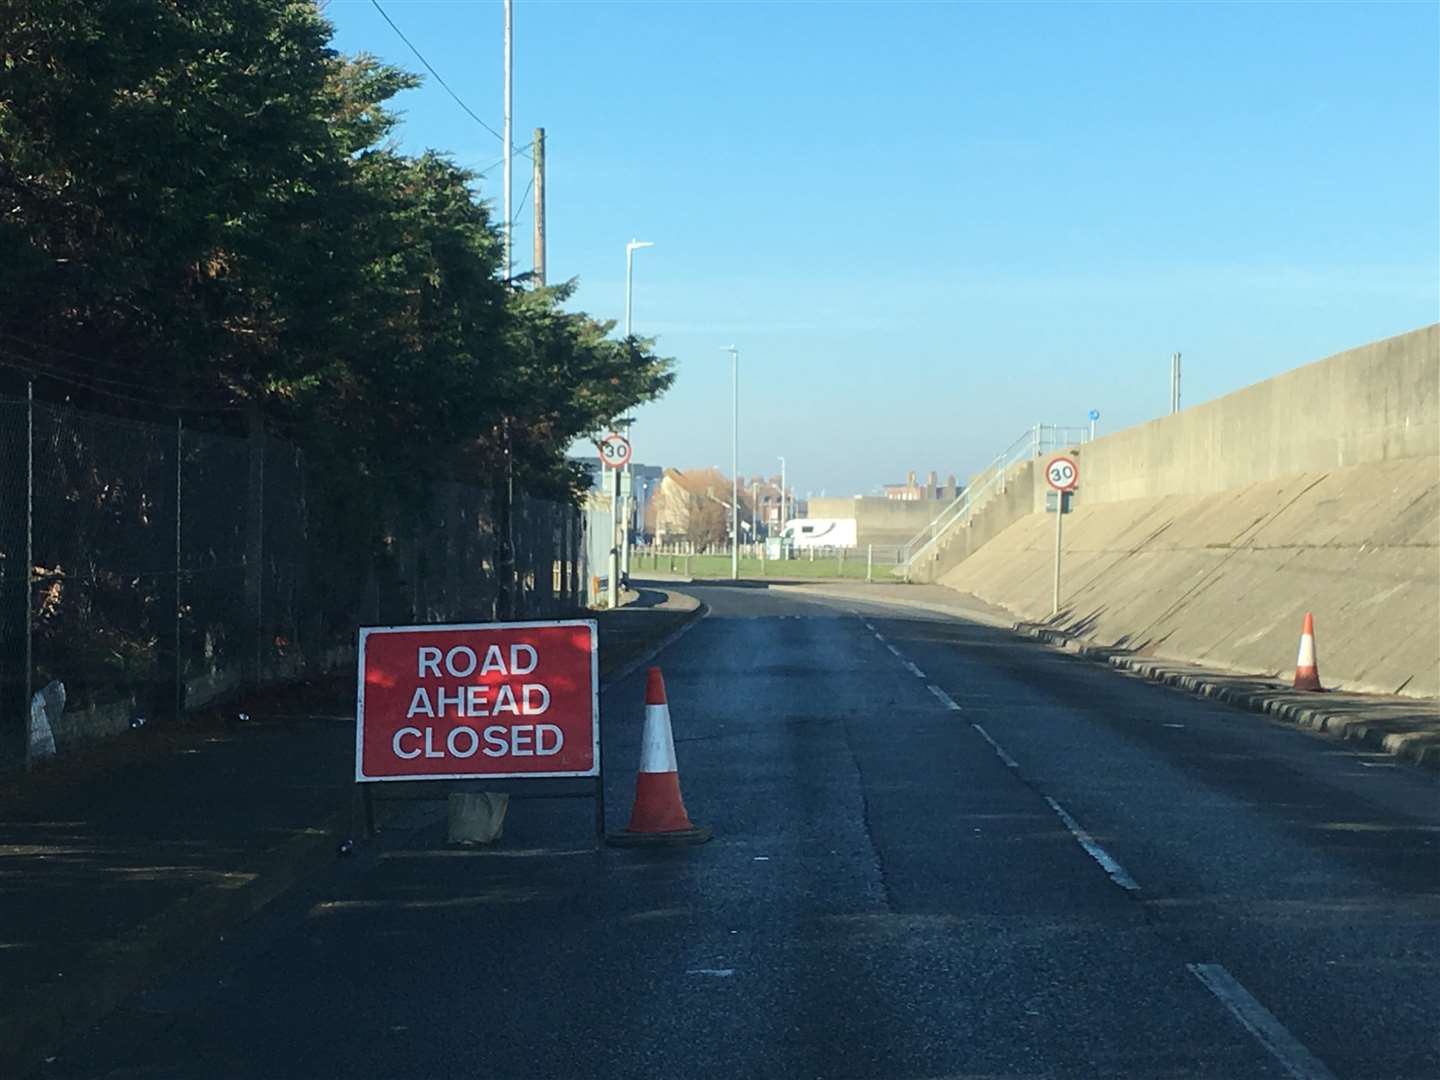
[(954, 512), (1038, 440)]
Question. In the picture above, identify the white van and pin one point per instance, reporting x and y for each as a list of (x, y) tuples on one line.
[(820, 532)]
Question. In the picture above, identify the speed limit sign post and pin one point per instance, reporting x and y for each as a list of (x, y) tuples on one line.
[(1062, 474), (614, 453)]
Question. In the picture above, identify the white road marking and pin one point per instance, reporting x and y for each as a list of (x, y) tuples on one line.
[(914, 670), (945, 699), (719, 973), (1376, 764), (1261, 1022), (893, 649), (1174, 725), (1006, 758), (1100, 855), (879, 637)]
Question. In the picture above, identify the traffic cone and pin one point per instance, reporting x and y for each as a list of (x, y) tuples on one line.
[(658, 817), (1307, 671)]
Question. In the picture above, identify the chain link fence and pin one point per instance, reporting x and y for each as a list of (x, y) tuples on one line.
[(153, 568)]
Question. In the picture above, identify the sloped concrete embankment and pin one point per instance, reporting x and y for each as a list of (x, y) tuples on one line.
[(1204, 536), (1225, 578)]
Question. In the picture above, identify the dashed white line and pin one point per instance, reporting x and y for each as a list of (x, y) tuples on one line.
[(1261, 1022), (894, 650), (915, 670), (1099, 854), (1000, 750), (945, 699), (1095, 851)]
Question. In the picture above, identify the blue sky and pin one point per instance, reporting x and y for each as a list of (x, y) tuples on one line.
[(928, 226)]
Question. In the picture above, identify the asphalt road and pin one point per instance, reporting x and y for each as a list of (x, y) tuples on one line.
[(940, 852)]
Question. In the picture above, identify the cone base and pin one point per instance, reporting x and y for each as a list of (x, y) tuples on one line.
[(1308, 681), (658, 806), (696, 834)]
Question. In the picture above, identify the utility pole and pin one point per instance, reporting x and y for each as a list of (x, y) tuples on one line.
[(509, 224), (735, 464), (539, 151), (1175, 383)]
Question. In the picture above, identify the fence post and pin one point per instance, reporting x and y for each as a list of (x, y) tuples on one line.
[(869, 562), (177, 652), (29, 566), (255, 546), (840, 569)]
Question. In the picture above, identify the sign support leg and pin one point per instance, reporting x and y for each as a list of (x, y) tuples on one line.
[(1059, 518), (600, 790), (369, 797)]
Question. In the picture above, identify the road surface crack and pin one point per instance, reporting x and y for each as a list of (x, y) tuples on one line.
[(878, 859)]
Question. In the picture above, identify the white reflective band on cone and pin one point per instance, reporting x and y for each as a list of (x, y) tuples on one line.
[(1306, 658), (657, 745)]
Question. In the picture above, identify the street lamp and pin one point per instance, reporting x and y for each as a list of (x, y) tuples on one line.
[(629, 498), (754, 509), (630, 249), (734, 462), (782, 502)]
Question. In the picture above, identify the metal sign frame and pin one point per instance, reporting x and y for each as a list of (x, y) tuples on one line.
[(423, 787)]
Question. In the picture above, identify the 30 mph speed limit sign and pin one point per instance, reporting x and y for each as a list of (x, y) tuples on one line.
[(614, 450), (1062, 474)]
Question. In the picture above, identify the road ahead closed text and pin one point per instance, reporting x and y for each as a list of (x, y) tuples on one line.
[(500, 699)]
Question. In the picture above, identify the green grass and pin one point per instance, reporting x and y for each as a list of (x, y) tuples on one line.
[(852, 567)]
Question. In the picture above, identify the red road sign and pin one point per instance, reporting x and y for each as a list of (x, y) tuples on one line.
[(1062, 473), (614, 450), (482, 701)]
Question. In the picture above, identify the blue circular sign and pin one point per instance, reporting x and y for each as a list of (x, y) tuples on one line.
[(1094, 414)]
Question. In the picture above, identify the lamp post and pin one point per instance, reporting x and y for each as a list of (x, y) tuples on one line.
[(782, 505), (629, 496), (754, 509), (630, 249), (734, 462)]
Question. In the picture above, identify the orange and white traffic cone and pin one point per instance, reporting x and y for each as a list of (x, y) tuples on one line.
[(658, 816), (1307, 670)]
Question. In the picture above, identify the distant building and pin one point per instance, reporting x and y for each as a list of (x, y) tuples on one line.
[(930, 491), (644, 480), (692, 506), (764, 495)]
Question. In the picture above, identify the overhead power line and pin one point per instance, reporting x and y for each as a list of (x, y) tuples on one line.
[(520, 209), (440, 79), (28, 366)]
